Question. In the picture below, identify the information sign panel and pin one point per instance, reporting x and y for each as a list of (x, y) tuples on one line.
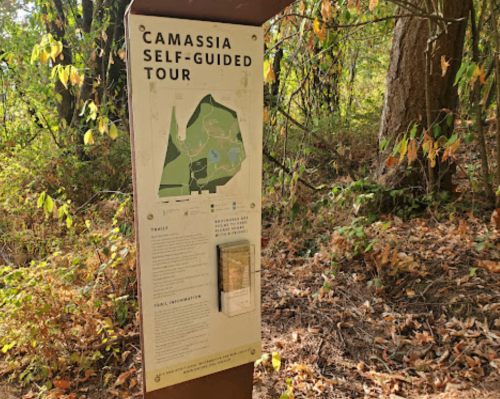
[(196, 92)]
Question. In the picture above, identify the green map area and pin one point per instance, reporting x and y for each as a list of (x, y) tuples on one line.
[(210, 155)]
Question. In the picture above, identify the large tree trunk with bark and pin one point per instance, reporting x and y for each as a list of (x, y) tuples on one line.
[(406, 99)]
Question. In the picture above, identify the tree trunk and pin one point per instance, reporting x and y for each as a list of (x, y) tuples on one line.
[(406, 100)]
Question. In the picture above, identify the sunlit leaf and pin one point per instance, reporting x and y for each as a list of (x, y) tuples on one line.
[(270, 76), (64, 76), (49, 204), (88, 139), (44, 56), (55, 49), (316, 27), (276, 359), (35, 54)]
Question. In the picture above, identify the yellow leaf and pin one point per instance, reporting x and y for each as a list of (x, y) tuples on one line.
[(476, 72), (44, 56), (475, 75), (403, 148), (78, 78), (266, 68), (35, 54), (72, 77), (88, 139), (316, 26), (276, 359), (113, 131), (373, 4), (75, 77), (55, 50), (270, 76), (433, 154), (102, 125), (64, 76)]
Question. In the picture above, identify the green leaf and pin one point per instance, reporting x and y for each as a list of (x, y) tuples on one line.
[(480, 246), (436, 129), (276, 361), (413, 132), (377, 283), (473, 271), (460, 73), (449, 120), (113, 131), (370, 245), (470, 71)]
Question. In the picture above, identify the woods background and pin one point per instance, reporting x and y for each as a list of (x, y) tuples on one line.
[(381, 183)]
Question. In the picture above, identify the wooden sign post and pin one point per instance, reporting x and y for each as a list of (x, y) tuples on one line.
[(195, 95)]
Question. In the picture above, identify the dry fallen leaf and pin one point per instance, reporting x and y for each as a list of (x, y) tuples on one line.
[(62, 384), (495, 218), (123, 377), (490, 265)]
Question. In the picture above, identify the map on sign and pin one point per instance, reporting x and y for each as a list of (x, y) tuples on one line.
[(209, 156)]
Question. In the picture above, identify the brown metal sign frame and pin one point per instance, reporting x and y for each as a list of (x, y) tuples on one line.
[(243, 12), (235, 383)]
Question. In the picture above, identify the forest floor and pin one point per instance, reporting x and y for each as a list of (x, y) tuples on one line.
[(353, 307), (416, 316), (431, 326)]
